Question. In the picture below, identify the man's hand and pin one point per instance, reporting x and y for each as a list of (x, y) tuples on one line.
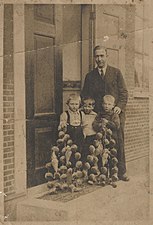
[(117, 110)]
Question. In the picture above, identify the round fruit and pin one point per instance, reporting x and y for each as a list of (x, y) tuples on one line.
[(95, 160), (90, 182), (74, 148), (50, 184), (112, 142), (106, 141), (49, 176), (72, 186), (62, 159), (61, 134), (66, 137), (63, 177), (114, 185), (84, 173), (96, 143), (69, 170), (94, 170), (63, 169), (74, 175), (69, 142), (87, 166), (65, 186), (58, 186), (77, 155), (98, 150), (114, 170), (91, 149), (103, 183), (63, 150), (109, 132), (79, 174), (69, 164), (90, 158), (78, 164), (113, 152), (55, 149), (68, 148), (60, 141), (56, 175), (114, 161), (99, 136), (104, 170), (114, 177), (92, 177), (102, 177)]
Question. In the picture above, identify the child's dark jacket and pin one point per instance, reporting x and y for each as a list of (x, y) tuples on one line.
[(113, 121)]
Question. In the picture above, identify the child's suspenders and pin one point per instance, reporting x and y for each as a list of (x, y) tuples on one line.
[(68, 117)]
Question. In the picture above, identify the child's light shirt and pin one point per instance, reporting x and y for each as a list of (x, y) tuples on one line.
[(75, 119), (87, 123)]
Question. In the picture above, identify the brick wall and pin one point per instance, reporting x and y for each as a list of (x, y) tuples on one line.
[(137, 115), (8, 103)]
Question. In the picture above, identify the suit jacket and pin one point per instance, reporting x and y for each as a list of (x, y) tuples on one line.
[(112, 84)]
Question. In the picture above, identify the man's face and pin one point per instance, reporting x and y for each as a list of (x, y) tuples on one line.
[(101, 57)]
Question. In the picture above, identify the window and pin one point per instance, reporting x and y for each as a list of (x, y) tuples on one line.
[(141, 49)]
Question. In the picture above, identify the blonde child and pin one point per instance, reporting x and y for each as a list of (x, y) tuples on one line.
[(112, 121), (107, 116), (71, 120)]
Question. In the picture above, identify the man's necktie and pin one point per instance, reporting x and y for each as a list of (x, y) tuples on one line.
[(102, 73)]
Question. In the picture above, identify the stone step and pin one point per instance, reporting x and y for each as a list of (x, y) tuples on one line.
[(107, 203), (34, 209)]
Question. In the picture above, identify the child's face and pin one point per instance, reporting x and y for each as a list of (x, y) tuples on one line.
[(88, 106), (108, 105), (74, 105)]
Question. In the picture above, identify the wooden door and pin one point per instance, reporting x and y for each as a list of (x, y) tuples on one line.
[(110, 32), (43, 85)]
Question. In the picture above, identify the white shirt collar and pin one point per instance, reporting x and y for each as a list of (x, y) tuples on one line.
[(77, 112), (104, 70)]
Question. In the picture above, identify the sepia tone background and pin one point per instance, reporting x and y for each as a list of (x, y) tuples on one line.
[(46, 51)]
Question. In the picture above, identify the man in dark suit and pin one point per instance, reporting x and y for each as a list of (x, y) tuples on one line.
[(108, 80)]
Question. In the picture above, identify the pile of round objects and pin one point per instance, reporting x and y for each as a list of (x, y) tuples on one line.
[(66, 172)]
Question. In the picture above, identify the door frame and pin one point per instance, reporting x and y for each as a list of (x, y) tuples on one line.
[(32, 27)]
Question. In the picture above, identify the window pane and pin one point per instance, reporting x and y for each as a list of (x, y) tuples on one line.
[(44, 13)]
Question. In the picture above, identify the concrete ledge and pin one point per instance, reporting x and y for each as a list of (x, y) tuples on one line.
[(128, 202), (41, 210)]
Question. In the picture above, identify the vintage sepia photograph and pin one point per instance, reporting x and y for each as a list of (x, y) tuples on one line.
[(76, 97)]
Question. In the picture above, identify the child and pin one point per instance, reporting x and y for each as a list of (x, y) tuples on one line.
[(112, 121), (107, 117), (71, 120), (89, 117)]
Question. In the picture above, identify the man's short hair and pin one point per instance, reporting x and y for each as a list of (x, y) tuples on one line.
[(98, 47), (109, 98), (73, 97)]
